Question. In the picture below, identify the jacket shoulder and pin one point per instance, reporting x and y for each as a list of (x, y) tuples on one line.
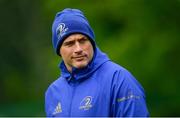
[(110, 65), (53, 85)]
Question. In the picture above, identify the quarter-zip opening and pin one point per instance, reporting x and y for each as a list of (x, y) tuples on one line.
[(72, 99), (73, 84)]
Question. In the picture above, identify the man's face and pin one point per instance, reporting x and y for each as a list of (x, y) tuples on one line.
[(76, 51)]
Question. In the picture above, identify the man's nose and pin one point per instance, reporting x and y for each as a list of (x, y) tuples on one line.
[(78, 48)]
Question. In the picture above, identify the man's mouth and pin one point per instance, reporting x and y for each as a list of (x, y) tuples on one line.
[(79, 58)]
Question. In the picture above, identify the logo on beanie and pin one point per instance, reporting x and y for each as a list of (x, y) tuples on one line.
[(61, 30)]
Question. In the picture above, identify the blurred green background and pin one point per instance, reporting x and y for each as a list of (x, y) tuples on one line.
[(141, 35)]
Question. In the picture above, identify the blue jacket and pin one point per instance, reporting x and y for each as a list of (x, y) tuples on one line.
[(103, 88)]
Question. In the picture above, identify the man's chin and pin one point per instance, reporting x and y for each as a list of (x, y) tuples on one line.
[(80, 66)]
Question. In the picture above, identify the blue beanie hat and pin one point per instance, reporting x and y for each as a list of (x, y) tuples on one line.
[(67, 22)]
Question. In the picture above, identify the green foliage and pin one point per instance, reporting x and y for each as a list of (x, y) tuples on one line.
[(141, 35)]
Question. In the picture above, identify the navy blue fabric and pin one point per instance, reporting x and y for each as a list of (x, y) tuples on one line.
[(103, 88), (70, 21)]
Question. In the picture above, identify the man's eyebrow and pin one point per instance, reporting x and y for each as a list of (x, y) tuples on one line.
[(67, 42), (83, 37)]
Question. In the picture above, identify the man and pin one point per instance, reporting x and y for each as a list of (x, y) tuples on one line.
[(90, 83)]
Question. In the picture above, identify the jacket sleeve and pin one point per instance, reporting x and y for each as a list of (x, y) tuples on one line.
[(48, 103), (128, 99)]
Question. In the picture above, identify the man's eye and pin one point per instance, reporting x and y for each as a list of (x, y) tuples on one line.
[(68, 43), (83, 40)]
